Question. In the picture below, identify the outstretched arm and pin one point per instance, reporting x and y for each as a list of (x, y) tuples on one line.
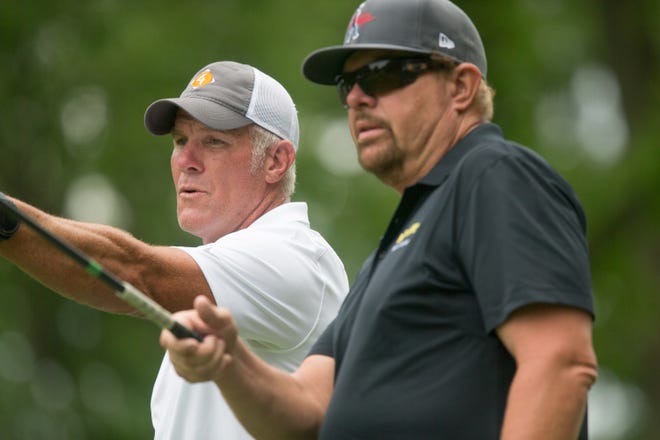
[(268, 402), (168, 275), (556, 366)]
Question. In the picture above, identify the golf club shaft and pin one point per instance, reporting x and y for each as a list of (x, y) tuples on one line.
[(141, 302)]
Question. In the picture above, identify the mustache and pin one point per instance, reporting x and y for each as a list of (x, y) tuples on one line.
[(363, 119)]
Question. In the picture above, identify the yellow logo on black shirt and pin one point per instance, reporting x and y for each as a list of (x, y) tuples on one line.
[(405, 237)]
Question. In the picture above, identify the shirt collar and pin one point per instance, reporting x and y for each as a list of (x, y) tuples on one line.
[(284, 213)]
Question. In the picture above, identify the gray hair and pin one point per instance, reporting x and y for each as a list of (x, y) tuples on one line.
[(262, 140)]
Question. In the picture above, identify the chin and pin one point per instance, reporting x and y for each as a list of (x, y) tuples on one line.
[(189, 225), (372, 163)]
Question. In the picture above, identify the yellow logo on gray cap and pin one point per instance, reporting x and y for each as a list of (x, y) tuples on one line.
[(202, 78)]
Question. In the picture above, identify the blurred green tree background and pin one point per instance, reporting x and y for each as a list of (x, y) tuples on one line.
[(576, 80)]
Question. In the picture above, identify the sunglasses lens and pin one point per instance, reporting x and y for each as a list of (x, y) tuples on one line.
[(381, 81), (377, 78), (344, 88)]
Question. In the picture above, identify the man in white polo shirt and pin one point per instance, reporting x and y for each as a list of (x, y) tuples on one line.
[(235, 137)]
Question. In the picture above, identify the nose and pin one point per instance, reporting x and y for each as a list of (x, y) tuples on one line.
[(357, 97), (186, 158)]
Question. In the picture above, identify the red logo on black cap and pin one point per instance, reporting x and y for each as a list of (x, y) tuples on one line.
[(359, 18)]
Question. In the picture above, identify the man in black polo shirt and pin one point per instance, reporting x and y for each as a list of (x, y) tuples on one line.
[(473, 318)]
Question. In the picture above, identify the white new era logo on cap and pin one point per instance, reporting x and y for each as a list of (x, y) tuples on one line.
[(446, 42)]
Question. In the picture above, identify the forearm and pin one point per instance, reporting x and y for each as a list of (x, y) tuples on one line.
[(270, 403), (113, 248), (548, 403)]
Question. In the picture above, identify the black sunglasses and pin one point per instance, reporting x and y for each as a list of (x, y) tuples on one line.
[(384, 76)]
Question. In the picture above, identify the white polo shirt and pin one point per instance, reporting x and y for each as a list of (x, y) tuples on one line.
[(283, 284)]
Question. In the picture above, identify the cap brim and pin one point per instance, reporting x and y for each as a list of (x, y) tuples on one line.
[(323, 65), (160, 115)]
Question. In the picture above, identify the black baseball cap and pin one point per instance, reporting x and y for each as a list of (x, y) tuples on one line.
[(422, 26)]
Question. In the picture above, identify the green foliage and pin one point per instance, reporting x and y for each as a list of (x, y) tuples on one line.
[(69, 372)]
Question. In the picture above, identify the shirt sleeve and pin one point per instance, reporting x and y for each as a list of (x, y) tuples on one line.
[(274, 289), (524, 239)]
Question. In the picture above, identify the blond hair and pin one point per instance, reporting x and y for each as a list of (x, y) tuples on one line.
[(483, 100)]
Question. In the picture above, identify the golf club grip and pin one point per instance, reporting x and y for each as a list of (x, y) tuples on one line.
[(182, 332), (154, 312)]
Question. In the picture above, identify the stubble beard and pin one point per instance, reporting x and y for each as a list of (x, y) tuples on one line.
[(384, 161)]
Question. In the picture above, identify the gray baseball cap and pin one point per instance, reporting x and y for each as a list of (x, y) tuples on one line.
[(422, 26), (225, 95)]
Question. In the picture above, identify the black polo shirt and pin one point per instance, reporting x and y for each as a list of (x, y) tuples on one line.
[(490, 229)]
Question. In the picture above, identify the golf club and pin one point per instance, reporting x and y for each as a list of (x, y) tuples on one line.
[(124, 290)]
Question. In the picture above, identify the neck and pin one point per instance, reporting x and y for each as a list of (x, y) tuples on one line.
[(437, 146), (267, 203)]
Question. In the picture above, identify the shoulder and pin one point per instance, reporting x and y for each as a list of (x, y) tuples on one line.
[(494, 169), (490, 148), (489, 157), (280, 238)]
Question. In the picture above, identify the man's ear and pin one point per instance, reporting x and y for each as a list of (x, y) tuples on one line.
[(279, 159), (467, 79)]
